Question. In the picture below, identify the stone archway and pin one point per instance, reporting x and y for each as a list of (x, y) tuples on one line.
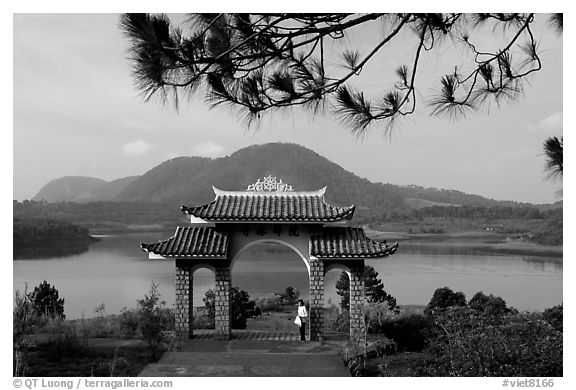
[(268, 211)]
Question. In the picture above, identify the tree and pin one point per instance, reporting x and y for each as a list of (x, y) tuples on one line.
[(489, 304), (373, 289), (289, 296), (46, 301), (443, 298), (242, 307), (259, 63)]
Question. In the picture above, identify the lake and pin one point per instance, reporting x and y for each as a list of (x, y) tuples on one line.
[(115, 272)]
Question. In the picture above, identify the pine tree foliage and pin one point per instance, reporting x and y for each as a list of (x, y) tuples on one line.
[(373, 289), (258, 63), (554, 151)]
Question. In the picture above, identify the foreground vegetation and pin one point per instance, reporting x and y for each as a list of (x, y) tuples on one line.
[(451, 336), (45, 344)]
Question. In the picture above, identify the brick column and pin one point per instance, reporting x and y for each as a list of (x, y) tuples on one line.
[(357, 299), (222, 304), (316, 314), (184, 302)]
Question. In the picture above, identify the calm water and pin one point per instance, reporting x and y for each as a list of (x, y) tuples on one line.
[(114, 271)]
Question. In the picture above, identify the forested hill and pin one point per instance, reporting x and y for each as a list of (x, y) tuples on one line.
[(189, 181)]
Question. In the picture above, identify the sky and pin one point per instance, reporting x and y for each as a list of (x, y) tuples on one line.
[(77, 112)]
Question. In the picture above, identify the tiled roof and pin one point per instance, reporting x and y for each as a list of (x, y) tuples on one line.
[(348, 242), (191, 242), (270, 207)]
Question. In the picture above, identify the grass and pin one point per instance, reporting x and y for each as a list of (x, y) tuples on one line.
[(105, 361)]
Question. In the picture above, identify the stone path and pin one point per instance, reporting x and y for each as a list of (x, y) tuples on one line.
[(251, 353)]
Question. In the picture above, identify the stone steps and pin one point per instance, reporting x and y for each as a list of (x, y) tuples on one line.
[(208, 334)]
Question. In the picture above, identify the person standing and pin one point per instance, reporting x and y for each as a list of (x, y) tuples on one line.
[(303, 314)]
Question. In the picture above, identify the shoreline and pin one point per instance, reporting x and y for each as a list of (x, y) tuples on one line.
[(482, 241)]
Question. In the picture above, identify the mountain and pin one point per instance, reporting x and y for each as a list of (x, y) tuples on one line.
[(111, 190), (69, 189), (82, 189), (189, 181)]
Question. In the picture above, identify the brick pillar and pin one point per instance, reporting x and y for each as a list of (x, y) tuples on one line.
[(222, 304), (316, 314), (184, 302), (357, 299)]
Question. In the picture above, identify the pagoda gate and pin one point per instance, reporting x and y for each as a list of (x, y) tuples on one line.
[(268, 211)]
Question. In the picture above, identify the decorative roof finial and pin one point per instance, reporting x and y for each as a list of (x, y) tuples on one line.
[(270, 184)]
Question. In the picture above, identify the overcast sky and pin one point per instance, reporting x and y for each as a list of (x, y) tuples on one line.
[(76, 112)]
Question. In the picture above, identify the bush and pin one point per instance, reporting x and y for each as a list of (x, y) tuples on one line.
[(201, 320), (443, 298), (103, 325), (129, 320), (409, 330), (472, 343), (271, 302), (24, 321), (337, 320), (489, 304), (242, 307), (555, 316), (149, 321)]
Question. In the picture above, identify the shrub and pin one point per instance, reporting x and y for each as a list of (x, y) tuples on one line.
[(375, 315), (24, 321), (337, 320), (271, 302), (128, 320), (489, 304), (472, 343), (153, 320), (443, 298), (409, 330), (103, 325), (555, 316), (242, 307), (201, 320)]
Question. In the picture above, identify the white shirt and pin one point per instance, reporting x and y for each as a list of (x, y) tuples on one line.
[(302, 311)]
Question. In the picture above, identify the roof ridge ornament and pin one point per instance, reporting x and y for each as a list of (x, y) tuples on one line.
[(270, 184)]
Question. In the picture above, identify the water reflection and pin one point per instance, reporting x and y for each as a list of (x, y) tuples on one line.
[(544, 263), (35, 252)]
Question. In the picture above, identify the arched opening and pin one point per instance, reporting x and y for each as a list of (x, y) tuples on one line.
[(336, 319), (203, 278), (274, 276)]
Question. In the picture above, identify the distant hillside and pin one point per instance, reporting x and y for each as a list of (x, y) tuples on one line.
[(189, 181), (69, 189), (82, 189), (111, 190)]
